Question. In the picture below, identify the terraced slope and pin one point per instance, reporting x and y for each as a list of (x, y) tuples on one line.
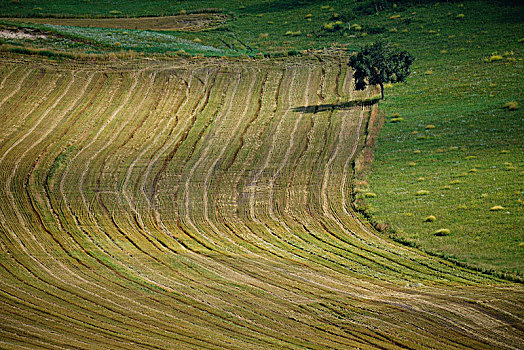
[(207, 206)]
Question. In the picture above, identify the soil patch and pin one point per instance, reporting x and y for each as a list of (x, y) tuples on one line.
[(20, 34)]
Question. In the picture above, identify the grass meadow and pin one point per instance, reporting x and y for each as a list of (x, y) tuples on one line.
[(457, 139)]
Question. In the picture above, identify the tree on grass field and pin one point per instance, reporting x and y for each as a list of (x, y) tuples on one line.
[(378, 64)]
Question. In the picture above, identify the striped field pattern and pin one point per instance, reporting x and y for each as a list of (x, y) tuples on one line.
[(207, 206)]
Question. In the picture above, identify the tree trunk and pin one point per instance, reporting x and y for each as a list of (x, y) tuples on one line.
[(381, 90)]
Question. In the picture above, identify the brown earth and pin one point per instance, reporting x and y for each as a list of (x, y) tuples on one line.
[(189, 22)]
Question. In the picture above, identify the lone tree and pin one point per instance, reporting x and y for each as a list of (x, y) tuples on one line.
[(378, 63)]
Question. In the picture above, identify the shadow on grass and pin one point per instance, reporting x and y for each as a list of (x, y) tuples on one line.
[(344, 105)]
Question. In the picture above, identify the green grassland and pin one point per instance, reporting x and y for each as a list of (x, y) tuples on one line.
[(149, 199), (456, 139)]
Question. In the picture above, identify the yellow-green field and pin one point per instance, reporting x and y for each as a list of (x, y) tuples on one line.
[(207, 205)]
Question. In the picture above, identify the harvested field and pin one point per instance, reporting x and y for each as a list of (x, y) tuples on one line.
[(192, 205), (189, 22)]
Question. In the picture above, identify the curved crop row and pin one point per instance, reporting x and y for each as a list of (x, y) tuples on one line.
[(207, 207)]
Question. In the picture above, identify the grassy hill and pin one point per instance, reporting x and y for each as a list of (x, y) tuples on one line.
[(205, 198), (456, 139)]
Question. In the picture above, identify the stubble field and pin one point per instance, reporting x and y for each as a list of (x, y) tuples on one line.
[(201, 205)]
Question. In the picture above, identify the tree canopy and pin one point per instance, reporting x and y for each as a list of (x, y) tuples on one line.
[(378, 63)]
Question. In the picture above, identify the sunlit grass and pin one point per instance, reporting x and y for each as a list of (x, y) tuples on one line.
[(463, 128)]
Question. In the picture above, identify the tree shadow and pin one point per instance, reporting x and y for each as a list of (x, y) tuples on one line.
[(328, 107)]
